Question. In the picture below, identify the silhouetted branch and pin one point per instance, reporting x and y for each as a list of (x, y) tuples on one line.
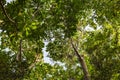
[(5, 13)]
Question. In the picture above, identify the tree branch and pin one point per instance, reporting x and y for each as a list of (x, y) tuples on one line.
[(82, 62), (5, 13), (19, 55), (35, 61)]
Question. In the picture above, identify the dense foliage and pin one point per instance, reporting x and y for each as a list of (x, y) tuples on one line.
[(83, 35)]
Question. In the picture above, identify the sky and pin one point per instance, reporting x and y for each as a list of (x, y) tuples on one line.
[(8, 0)]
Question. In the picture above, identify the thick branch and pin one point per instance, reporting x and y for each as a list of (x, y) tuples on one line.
[(5, 13), (82, 62), (19, 55)]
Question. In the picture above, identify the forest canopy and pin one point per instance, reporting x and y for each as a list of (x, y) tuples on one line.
[(83, 35)]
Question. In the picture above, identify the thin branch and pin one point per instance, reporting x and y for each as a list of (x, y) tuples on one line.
[(35, 61), (5, 13), (20, 50), (36, 10)]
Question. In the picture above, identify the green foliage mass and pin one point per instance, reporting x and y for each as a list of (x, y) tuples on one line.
[(27, 25)]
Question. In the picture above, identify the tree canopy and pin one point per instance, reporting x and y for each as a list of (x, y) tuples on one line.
[(84, 35)]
